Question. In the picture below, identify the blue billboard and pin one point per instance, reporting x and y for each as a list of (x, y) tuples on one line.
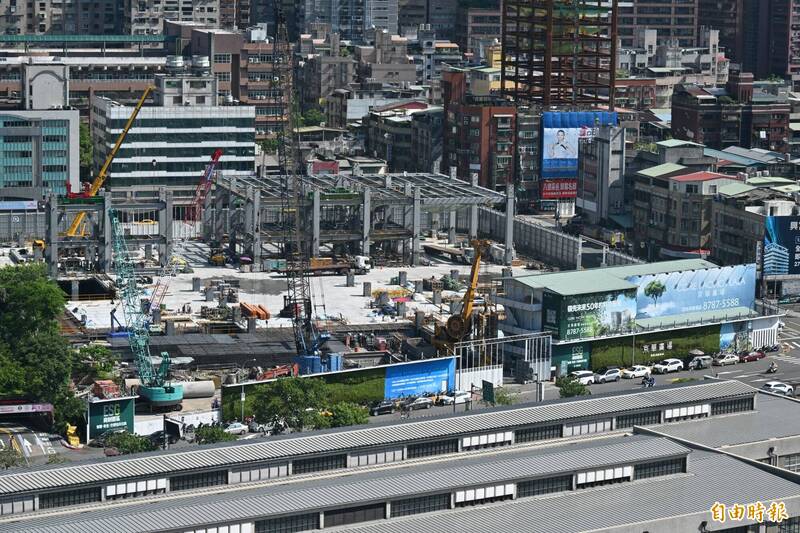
[(690, 291), (422, 377), (782, 246), (562, 132)]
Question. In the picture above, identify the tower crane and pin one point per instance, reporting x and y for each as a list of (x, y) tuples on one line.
[(308, 339), (100, 179), (155, 388)]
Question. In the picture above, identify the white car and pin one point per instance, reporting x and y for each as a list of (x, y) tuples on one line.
[(636, 371), (726, 359), (456, 397), (668, 365), (584, 377), (236, 429), (778, 388)]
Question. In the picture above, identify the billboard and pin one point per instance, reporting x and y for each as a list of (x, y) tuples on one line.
[(556, 189), (562, 132), (588, 315), (110, 415), (782, 246), (436, 375), (690, 291)]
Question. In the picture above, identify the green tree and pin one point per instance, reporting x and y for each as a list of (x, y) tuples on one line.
[(269, 146), (128, 443), (313, 117), (29, 303), (56, 459), (212, 434), (348, 414), (94, 361), (654, 290), (9, 457), (294, 401), (86, 147), (504, 396), (569, 387)]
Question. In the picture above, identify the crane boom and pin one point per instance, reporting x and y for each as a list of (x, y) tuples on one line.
[(308, 340), (204, 187), (100, 179)]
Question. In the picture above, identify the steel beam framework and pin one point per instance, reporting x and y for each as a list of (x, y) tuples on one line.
[(559, 52)]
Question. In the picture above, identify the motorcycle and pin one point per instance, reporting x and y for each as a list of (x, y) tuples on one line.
[(772, 368), (648, 382)]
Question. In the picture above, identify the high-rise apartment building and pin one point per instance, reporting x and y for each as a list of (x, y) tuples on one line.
[(674, 19), (146, 17), (477, 24), (353, 20)]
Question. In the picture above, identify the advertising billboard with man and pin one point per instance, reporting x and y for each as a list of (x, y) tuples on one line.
[(561, 135), (782, 246)]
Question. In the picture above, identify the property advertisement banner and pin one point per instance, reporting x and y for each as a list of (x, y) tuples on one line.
[(782, 246), (690, 291), (588, 315), (557, 189), (436, 375), (561, 134)]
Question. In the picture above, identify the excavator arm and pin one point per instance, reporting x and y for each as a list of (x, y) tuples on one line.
[(100, 179)]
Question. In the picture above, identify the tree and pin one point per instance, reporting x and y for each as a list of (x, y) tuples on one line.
[(348, 414), (212, 434), (128, 443), (654, 290), (569, 387), (56, 459), (29, 303), (9, 457), (86, 147), (503, 396), (269, 146), (313, 117), (294, 401), (94, 361)]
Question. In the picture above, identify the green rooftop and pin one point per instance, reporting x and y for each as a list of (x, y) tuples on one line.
[(672, 143), (697, 318), (787, 188), (735, 189), (662, 170), (766, 180), (606, 279)]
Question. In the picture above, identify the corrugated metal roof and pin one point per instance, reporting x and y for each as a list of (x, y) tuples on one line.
[(662, 170), (330, 492), (735, 189), (165, 463), (672, 143), (715, 477)]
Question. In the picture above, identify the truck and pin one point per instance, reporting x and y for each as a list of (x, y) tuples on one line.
[(359, 264)]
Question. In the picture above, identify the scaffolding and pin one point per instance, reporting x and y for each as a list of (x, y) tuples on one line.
[(559, 52)]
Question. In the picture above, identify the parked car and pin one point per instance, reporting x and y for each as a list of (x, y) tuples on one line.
[(668, 365), (157, 438), (413, 404), (255, 427), (755, 355), (778, 388), (236, 428), (386, 407), (611, 373), (636, 371), (726, 359), (700, 361), (456, 397), (584, 377), (100, 442)]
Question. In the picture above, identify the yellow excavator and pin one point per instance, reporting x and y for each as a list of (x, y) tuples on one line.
[(458, 326), (100, 179)]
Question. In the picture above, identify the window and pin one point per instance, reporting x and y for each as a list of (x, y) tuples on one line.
[(202, 479), (732, 406), (288, 524), (132, 489), (790, 462), (318, 464), (490, 440), (423, 504), (659, 468), (223, 76), (639, 419), (487, 494), (425, 449), (687, 413), (605, 476), (787, 526), (222, 58), (548, 485), (69, 497), (354, 515), (538, 433), (585, 428)]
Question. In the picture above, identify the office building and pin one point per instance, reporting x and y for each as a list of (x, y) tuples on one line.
[(601, 176), (477, 24), (672, 19), (353, 20), (173, 140), (147, 18)]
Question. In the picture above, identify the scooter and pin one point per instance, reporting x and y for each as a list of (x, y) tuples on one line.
[(772, 368), (648, 382)]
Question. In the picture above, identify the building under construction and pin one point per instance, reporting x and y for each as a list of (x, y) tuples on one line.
[(559, 52)]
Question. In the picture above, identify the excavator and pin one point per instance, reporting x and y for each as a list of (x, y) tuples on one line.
[(457, 327), (90, 191)]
